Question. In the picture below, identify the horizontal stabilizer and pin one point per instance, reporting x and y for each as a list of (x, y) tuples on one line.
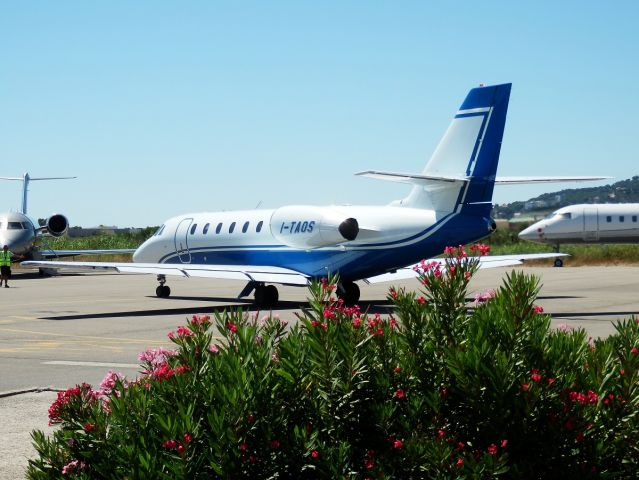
[(524, 180), (410, 177), (490, 261)]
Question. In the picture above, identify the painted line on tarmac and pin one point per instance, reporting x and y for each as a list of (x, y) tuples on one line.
[(86, 337), (91, 364)]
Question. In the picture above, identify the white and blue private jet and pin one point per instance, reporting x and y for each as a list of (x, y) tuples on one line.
[(449, 203)]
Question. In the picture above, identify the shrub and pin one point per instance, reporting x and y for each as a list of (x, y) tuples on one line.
[(434, 390)]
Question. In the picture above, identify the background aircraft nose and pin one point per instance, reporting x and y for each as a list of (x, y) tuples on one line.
[(532, 233)]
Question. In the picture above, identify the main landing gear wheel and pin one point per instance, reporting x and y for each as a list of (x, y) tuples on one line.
[(163, 291), (266, 295), (559, 262), (349, 292)]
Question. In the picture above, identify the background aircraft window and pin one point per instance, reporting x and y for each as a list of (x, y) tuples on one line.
[(14, 226), (621, 218), (206, 228), (245, 227), (232, 227), (608, 219), (193, 228), (218, 229), (258, 229), (634, 219)]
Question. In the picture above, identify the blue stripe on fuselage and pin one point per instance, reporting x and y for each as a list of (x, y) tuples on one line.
[(351, 264)]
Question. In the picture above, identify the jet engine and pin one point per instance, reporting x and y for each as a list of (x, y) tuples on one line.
[(303, 226), (57, 225)]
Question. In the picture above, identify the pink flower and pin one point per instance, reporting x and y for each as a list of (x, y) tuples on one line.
[(538, 309), (460, 463), (534, 375), (400, 393), (483, 297), (203, 320), (315, 454), (214, 349), (109, 382), (421, 300), (180, 449), (183, 331), (564, 328), (397, 369), (357, 322), (275, 444), (89, 427), (398, 444), (634, 351), (492, 449), (243, 447), (441, 433), (231, 326), (525, 387), (504, 443), (169, 444), (187, 438), (73, 466)]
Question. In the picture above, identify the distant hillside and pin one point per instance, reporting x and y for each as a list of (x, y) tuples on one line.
[(624, 191)]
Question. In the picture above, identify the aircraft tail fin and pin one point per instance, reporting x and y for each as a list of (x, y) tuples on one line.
[(460, 174), (26, 178)]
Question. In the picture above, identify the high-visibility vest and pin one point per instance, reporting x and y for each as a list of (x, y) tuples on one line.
[(5, 259)]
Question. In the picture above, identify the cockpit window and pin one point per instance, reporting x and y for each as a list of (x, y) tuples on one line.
[(14, 226), (27, 225), (159, 231), (566, 216)]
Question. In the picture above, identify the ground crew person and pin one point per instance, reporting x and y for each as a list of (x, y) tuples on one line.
[(5, 266)]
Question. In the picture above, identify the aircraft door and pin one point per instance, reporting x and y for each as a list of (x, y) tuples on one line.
[(591, 224), (181, 240)]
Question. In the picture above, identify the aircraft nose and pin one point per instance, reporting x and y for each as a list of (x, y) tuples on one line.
[(532, 233)]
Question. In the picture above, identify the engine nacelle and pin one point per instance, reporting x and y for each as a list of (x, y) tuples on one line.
[(491, 224), (302, 226), (57, 225)]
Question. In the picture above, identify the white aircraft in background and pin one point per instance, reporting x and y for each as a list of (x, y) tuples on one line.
[(449, 204), (19, 232), (587, 223)]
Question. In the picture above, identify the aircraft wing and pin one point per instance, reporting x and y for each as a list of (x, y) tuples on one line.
[(72, 253), (489, 261), (254, 273)]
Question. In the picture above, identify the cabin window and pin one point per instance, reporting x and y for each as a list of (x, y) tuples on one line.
[(218, 229), (608, 219), (232, 227), (621, 218), (193, 228), (206, 228), (634, 218), (14, 226), (258, 229), (245, 227)]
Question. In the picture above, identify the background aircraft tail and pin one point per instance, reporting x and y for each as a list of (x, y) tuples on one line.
[(26, 178)]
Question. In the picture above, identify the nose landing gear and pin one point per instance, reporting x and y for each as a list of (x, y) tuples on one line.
[(163, 291)]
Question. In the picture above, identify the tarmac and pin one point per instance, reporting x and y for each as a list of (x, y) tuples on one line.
[(59, 331)]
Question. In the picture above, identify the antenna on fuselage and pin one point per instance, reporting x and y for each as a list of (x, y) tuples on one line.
[(26, 178)]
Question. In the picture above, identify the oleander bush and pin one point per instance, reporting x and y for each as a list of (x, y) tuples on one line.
[(437, 389)]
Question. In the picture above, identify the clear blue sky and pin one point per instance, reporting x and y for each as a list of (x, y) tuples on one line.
[(162, 108)]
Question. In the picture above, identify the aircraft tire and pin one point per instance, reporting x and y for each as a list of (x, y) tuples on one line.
[(163, 291), (349, 293), (271, 295), (559, 263)]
